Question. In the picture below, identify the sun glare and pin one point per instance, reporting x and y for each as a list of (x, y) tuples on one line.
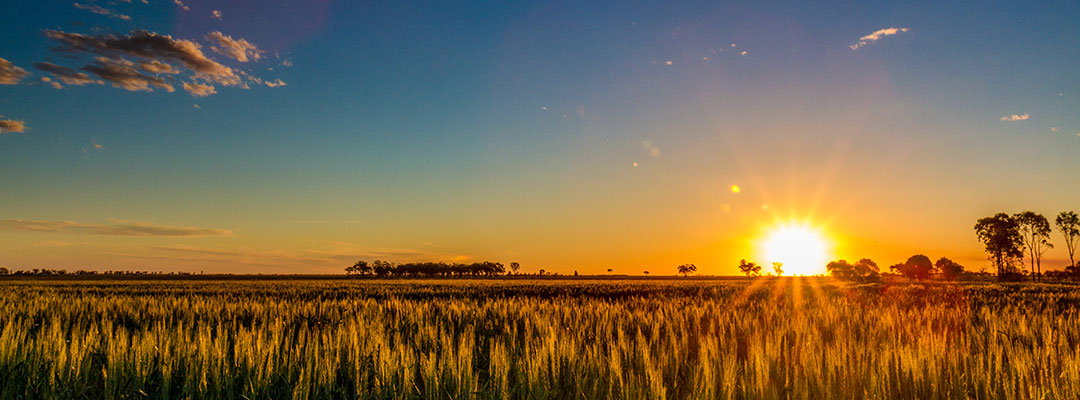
[(803, 250)]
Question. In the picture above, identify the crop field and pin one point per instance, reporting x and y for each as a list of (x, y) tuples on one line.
[(545, 339)]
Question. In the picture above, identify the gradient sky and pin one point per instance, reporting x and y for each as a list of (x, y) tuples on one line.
[(561, 135)]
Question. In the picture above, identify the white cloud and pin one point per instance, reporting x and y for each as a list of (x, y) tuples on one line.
[(877, 35), (1016, 117)]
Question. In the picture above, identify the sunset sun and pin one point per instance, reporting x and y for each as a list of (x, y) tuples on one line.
[(803, 250)]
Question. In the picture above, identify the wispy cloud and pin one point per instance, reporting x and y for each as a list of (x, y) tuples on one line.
[(122, 74), (158, 67), (66, 75), (339, 254), (199, 89), (96, 9), (181, 5), (115, 228), (11, 125), (877, 35), (148, 46), (215, 14), (1016, 117), (48, 81), (276, 83), (238, 49), (10, 74)]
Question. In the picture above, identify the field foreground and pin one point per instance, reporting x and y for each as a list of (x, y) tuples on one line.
[(765, 338)]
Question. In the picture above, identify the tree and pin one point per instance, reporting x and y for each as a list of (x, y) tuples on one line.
[(687, 269), (542, 272), (863, 271), (1035, 230), (917, 267), (1004, 244), (866, 270), (1069, 225), (778, 268), (949, 268), (383, 268), (749, 268), (514, 267), (840, 269), (646, 273), (609, 270), (361, 267)]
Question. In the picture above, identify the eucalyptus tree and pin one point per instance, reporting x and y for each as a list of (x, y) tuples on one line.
[(1004, 244), (1069, 225), (687, 269), (1035, 230)]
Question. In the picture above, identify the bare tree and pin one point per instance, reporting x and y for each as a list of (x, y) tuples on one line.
[(1035, 230), (778, 268), (514, 267)]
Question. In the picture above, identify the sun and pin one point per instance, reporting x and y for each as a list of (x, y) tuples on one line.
[(802, 249)]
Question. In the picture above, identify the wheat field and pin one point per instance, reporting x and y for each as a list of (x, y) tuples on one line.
[(772, 338)]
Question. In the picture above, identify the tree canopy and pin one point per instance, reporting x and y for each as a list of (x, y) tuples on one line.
[(1004, 244)]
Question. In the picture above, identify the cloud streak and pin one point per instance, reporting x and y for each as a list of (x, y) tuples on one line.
[(122, 74), (66, 75), (115, 228), (877, 35), (10, 74), (99, 10), (1015, 117)]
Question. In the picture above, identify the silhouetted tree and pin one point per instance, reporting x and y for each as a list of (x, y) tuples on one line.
[(1035, 230), (514, 267), (361, 267), (840, 269), (382, 268), (917, 267), (1069, 225), (686, 269), (1004, 244), (542, 272), (646, 273), (863, 271), (4, 271), (609, 270), (866, 270), (778, 268), (749, 268), (949, 268)]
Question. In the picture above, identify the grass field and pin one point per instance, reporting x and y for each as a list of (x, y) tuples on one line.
[(404, 339)]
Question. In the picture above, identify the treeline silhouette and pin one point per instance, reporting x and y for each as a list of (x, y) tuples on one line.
[(381, 268), (1007, 239), (63, 272)]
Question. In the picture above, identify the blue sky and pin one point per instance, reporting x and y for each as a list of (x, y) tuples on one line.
[(511, 132)]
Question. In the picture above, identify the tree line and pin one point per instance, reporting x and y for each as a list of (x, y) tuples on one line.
[(381, 268), (1008, 238)]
